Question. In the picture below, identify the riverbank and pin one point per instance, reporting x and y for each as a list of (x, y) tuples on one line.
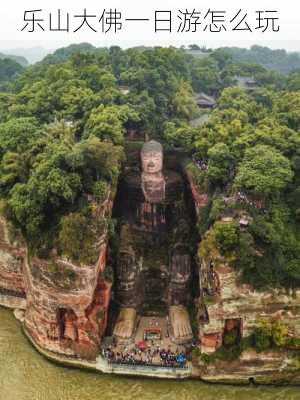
[(26, 375), (101, 365), (254, 374)]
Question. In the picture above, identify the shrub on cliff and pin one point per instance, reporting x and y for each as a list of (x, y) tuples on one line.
[(220, 240), (231, 338), (100, 190), (262, 336), (227, 236), (279, 333), (270, 333), (78, 237)]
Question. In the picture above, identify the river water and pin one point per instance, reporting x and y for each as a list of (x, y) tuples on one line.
[(26, 375)]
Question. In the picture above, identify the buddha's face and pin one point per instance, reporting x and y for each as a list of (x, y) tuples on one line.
[(152, 162)]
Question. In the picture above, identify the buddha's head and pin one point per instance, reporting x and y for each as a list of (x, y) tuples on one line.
[(152, 157)]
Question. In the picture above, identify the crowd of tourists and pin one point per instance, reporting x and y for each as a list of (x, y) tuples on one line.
[(149, 356), (241, 197), (201, 163)]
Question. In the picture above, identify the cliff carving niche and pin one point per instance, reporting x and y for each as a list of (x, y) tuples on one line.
[(154, 267)]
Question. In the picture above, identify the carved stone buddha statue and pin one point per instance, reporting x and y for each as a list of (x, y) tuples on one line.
[(147, 197), (153, 181)]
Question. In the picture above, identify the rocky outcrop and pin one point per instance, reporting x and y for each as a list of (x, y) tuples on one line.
[(267, 367), (225, 301), (227, 304), (200, 198), (70, 319), (66, 303), (241, 304), (12, 251)]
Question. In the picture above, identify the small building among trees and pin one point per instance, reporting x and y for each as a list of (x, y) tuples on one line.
[(205, 101)]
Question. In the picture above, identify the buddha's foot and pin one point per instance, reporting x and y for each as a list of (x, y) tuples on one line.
[(180, 323), (125, 323)]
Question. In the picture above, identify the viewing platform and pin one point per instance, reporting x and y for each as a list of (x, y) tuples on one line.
[(150, 371), (150, 352)]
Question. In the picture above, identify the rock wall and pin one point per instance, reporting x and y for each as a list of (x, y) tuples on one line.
[(241, 304), (67, 311), (12, 252), (226, 303), (200, 198), (66, 304)]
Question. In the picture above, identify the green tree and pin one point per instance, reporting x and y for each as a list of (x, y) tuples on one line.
[(206, 76), (220, 163), (108, 123), (184, 102), (264, 171), (9, 69), (226, 235), (18, 135)]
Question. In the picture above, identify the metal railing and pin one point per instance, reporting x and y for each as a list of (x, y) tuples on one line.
[(125, 364)]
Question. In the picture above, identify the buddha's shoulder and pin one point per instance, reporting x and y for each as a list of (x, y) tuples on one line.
[(172, 178)]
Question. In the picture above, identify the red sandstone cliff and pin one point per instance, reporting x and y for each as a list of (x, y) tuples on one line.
[(234, 302), (12, 251), (66, 304)]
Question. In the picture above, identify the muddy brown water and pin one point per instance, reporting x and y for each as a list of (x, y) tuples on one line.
[(26, 375)]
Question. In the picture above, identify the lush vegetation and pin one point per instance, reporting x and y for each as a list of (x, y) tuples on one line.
[(251, 148), (18, 59), (62, 127), (268, 335), (278, 60), (9, 70)]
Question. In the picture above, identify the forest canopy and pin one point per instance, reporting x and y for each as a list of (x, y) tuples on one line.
[(64, 122)]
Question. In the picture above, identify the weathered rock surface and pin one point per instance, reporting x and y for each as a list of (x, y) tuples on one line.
[(68, 320), (242, 303), (66, 304), (237, 305), (12, 285)]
